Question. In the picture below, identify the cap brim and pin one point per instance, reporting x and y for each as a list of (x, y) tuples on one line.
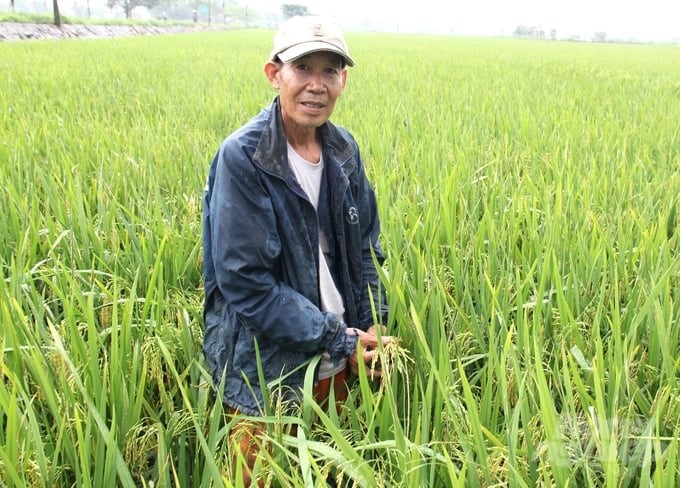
[(304, 48)]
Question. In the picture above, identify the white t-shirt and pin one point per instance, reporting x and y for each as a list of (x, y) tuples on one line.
[(309, 176)]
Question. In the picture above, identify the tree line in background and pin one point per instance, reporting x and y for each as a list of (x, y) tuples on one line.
[(537, 32), (236, 14), (218, 11)]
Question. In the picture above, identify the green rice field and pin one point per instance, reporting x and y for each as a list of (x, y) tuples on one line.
[(529, 195)]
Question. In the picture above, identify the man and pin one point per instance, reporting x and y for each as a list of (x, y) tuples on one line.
[(290, 234)]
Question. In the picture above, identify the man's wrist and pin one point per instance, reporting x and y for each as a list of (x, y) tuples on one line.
[(343, 344)]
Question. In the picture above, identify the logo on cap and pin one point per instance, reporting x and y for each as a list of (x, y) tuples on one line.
[(318, 30)]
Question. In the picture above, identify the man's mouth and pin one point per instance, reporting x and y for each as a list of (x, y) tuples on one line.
[(313, 105)]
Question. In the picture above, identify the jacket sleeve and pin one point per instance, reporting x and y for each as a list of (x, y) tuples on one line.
[(373, 297), (245, 247)]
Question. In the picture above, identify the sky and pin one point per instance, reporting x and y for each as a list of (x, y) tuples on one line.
[(654, 20)]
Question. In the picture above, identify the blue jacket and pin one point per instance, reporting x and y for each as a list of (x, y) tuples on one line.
[(260, 252)]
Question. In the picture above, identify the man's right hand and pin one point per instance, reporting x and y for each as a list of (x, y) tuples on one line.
[(367, 348)]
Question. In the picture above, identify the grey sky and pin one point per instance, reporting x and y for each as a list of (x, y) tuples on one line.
[(641, 19)]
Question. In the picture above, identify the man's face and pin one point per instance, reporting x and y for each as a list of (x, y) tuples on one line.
[(308, 88)]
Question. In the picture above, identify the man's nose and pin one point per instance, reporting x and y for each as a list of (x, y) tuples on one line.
[(315, 82)]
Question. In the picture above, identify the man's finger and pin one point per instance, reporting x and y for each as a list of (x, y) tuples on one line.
[(373, 330)]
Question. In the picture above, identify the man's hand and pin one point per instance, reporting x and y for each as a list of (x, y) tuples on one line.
[(367, 349), (373, 330)]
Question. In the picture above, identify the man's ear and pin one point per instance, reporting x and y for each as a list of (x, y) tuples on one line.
[(271, 70)]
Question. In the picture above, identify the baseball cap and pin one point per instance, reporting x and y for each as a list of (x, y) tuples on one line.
[(301, 35)]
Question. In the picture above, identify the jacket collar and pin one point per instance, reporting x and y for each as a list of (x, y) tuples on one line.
[(271, 153)]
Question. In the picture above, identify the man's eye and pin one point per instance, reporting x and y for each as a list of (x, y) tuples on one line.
[(302, 67)]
